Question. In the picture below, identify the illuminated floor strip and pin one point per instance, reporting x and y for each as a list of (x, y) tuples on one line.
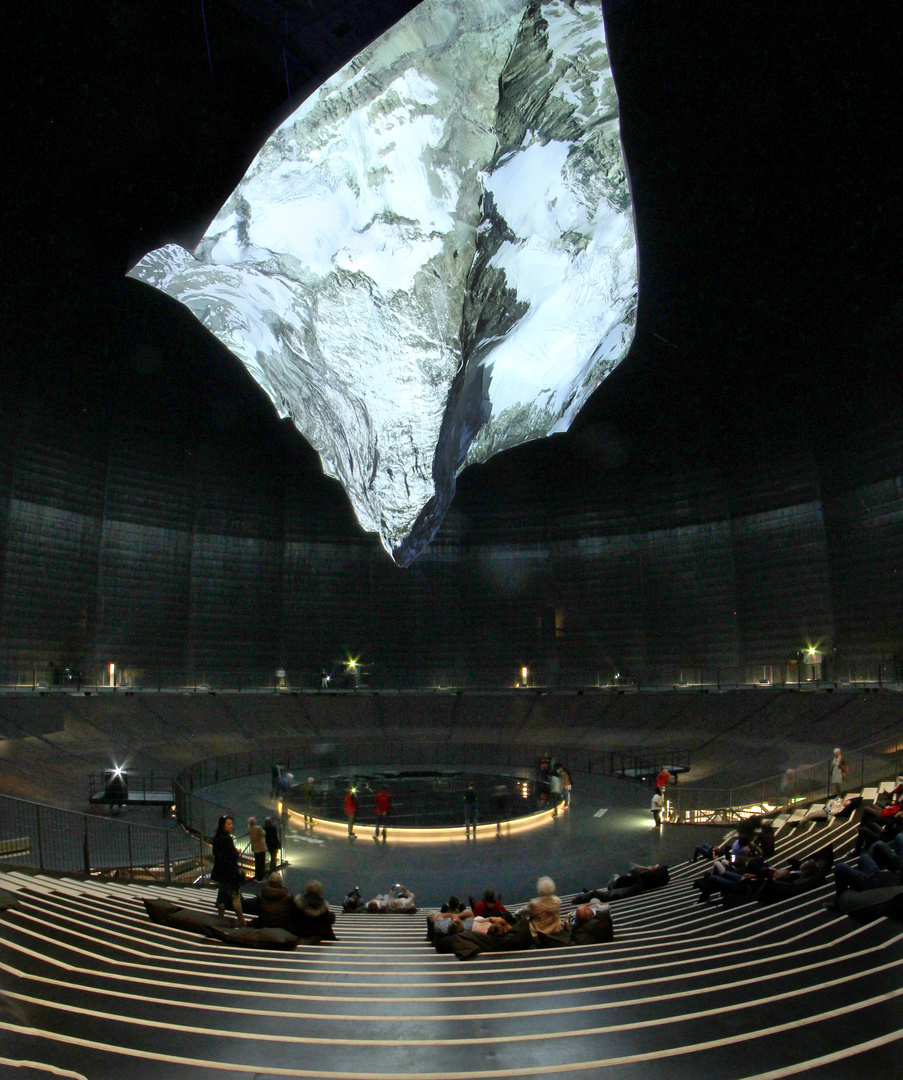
[(829, 1059), (267, 1069), (462, 977), (39, 1066), (581, 1033), (482, 1016), (598, 959)]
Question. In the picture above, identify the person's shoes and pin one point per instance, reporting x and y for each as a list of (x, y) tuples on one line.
[(352, 836)]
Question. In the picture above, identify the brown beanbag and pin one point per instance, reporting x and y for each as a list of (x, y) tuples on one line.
[(871, 903), (168, 914), (249, 937), (7, 900), (598, 930)]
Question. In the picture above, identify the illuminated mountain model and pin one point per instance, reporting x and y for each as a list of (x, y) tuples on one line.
[(432, 259)]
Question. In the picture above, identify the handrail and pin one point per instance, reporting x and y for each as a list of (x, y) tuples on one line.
[(72, 841), (197, 812), (868, 765)]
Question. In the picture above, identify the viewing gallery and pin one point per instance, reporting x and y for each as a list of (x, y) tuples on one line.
[(451, 564)]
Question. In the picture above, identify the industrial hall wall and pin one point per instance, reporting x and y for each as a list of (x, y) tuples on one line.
[(219, 546)]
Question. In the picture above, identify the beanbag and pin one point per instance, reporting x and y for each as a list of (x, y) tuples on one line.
[(249, 937), (169, 914), (469, 943), (870, 903), (7, 900), (772, 891), (598, 930), (654, 879)]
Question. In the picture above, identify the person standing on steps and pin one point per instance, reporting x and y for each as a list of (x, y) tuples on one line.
[(226, 871), (839, 772), (257, 839), (271, 835)]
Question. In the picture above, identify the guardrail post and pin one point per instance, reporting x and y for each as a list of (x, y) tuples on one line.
[(129, 837), (86, 851), (167, 865), (39, 838)]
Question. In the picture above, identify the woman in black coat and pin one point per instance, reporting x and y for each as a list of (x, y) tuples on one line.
[(226, 872)]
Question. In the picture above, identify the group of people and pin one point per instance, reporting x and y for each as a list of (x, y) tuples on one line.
[(878, 849), (382, 807), (227, 871), (307, 915), (539, 923), (741, 870), (398, 899)]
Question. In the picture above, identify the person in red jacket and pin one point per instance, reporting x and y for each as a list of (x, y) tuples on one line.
[(383, 809), (351, 811)]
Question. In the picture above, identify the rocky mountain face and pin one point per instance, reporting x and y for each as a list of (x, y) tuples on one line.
[(433, 259)]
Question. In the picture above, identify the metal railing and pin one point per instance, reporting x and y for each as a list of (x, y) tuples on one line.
[(868, 766), (51, 838), (793, 673), (141, 787), (199, 814)]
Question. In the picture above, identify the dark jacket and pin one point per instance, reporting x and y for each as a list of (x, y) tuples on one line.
[(310, 917), (225, 861), (275, 905)]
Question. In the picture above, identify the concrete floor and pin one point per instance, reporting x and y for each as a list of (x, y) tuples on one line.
[(577, 849)]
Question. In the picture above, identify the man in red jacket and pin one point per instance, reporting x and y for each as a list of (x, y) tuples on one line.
[(351, 811), (383, 809)]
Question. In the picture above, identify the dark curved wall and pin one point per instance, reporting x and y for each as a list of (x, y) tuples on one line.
[(225, 551), (732, 493)]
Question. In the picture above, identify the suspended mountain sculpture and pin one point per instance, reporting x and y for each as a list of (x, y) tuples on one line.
[(433, 258)]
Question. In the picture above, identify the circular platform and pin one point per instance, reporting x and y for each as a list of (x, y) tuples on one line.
[(427, 804)]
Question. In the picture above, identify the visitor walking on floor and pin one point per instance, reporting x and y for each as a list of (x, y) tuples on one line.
[(656, 806), (839, 771), (351, 811), (470, 810), (307, 803), (383, 809)]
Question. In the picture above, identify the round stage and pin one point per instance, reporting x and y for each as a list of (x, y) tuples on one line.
[(427, 805), (607, 826)]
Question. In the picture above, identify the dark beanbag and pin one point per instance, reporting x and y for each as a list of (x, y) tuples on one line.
[(469, 944), (772, 891), (169, 914), (157, 910), (595, 931), (871, 903), (553, 941), (7, 900), (654, 879), (249, 937)]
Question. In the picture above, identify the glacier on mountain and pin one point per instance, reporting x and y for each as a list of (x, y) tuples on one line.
[(433, 258)]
